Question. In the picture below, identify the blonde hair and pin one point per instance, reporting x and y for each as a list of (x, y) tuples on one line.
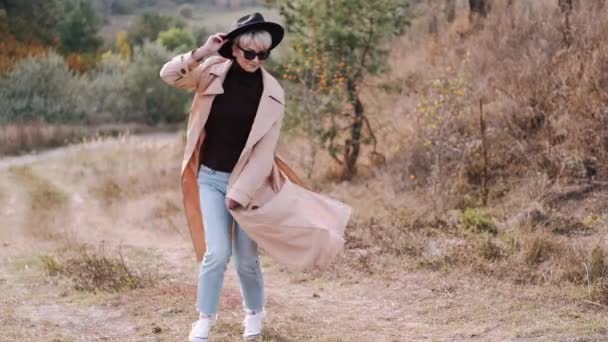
[(261, 39)]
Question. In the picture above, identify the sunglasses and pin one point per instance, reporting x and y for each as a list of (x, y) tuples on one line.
[(250, 55)]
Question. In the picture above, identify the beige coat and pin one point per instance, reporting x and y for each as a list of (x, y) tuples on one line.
[(297, 227)]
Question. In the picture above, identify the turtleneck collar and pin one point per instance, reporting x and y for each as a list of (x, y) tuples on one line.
[(239, 72)]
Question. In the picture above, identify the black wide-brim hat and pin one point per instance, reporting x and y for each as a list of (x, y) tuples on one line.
[(251, 22)]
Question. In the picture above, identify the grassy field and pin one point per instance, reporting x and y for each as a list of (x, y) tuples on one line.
[(94, 245), (96, 230)]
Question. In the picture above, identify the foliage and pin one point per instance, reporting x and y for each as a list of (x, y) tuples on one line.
[(334, 45), (476, 221), (131, 91), (200, 35), (151, 99), (123, 45), (122, 7), (441, 132), (32, 21), (176, 39), (81, 63), (148, 25), (107, 90), (12, 50), (42, 88), (29, 27), (78, 30), (118, 90), (186, 11)]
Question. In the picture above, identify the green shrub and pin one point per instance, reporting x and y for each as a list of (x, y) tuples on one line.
[(176, 39), (79, 27), (476, 221), (148, 25), (42, 88), (131, 91), (200, 35), (106, 91), (186, 11), (150, 98)]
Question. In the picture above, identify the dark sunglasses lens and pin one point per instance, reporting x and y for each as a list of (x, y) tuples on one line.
[(250, 55), (264, 55)]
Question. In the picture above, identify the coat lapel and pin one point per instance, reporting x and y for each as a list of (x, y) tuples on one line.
[(219, 70), (269, 110)]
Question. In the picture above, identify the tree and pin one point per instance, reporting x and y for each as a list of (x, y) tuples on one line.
[(79, 29), (148, 25), (32, 21), (334, 45)]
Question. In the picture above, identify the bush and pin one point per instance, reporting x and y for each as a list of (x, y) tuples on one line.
[(476, 221), (186, 11), (42, 88), (200, 35), (148, 25), (176, 39), (131, 91), (107, 89), (93, 273), (150, 98)]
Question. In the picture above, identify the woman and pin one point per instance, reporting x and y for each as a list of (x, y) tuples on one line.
[(227, 129), (230, 170)]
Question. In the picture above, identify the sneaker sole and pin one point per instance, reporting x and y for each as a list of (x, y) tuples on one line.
[(251, 338)]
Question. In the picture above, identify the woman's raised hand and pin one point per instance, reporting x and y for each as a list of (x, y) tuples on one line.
[(211, 46), (214, 43)]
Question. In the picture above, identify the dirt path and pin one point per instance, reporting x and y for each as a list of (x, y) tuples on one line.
[(147, 224)]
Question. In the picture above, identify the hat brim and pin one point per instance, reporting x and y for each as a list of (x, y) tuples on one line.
[(276, 32)]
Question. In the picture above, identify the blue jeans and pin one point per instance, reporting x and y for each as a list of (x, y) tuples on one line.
[(218, 236)]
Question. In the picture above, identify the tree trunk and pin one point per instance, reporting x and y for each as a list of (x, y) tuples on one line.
[(352, 146), (479, 8), (565, 5), (450, 10)]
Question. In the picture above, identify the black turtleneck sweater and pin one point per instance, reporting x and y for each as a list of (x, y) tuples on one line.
[(231, 117)]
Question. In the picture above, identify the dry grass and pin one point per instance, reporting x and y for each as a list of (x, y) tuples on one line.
[(543, 107), (540, 236), (47, 203), (18, 138), (544, 110), (119, 178), (91, 272)]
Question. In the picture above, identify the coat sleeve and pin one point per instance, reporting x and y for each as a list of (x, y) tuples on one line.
[(182, 71), (258, 167)]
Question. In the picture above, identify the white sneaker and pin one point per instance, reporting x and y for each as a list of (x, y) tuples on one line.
[(200, 329), (253, 324)]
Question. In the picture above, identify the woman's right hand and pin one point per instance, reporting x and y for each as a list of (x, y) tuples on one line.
[(213, 43)]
